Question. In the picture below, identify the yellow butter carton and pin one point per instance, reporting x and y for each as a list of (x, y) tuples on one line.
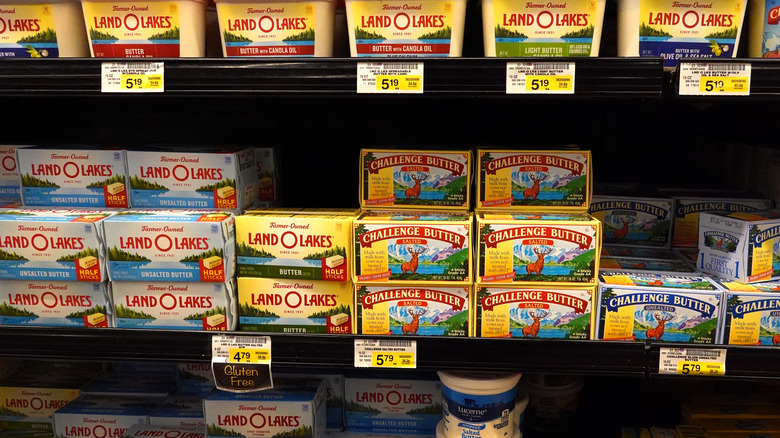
[(534, 312), (534, 180), (295, 306), (687, 210), (413, 247), (420, 311), (302, 245), (419, 179), (547, 248)]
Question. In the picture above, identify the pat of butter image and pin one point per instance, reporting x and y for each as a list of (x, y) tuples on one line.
[(96, 318), (334, 261), (226, 192), (115, 188), (265, 182), (339, 319), (212, 262), (87, 262), (215, 320)]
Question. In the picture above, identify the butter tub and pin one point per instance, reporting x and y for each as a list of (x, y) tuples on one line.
[(56, 303), (55, 29), (277, 28), (517, 28), (401, 28), (145, 28), (174, 305)]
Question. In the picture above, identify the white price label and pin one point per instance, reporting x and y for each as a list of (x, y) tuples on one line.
[(132, 77), (692, 361), (714, 79), (390, 77), (385, 353), (540, 78), (241, 363)]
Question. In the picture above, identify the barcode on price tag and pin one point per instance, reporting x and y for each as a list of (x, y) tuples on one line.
[(241, 363), (692, 361), (390, 77), (132, 77), (385, 353), (714, 79), (540, 77)]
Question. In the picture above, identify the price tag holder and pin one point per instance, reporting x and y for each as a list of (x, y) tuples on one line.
[(385, 353), (714, 79), (692, 361), (132, 77), (390, 77), (241, 363), (540, 77)]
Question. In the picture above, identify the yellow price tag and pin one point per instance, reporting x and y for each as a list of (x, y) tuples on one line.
[(248, 355), (701, 368), (141, 82), (711, 84), (398, 83), (392, 360), (549, 83)]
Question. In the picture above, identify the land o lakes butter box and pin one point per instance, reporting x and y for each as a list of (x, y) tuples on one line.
[(308, 244), (180, 410), (49, 244), (543, 248), (295, 306), (752, 314), (107, 416), (9, 173), (421, 179), (171, 245), (534, 180), (413, 247), (164, 431), (56, 303), (73, 177)]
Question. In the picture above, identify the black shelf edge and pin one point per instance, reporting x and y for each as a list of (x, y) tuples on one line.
[(618, 78), (750, 362)]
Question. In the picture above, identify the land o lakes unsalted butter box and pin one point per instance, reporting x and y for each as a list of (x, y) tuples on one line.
[(392, 405), (635, 221), (687, 210), (174, 305), (659, 308), (740, 246), (73, 177), (534, 312), (102, 416), (164, 431), (9, 173), (544, 248), (420, 179), (752, 313), (169, 178), (413, 247), (48, 244), (534, 180), (295, 306), (171, 245), (307, 245), (287, 410), (422, 311), (56, 303)]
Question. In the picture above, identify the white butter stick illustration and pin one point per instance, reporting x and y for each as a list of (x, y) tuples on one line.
[(339, 319), (212, 262), (334, 261), (226, 192)]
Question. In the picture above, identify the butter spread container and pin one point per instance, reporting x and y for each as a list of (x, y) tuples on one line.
[(179, 410), (145, 28), (164, 431), (635, 221), (73, 177), (56, 303), (9, 170), (295, 306), (415, 179), (420, 311), (49, 244), (167, 178), (401, 28), (741, 246), (531, 312), (534, 180), (171, 245), (687, 210), (660, 308), (307, 245), (174, 305), (413, 247), (522, 249), (48, 29), (89, 416)]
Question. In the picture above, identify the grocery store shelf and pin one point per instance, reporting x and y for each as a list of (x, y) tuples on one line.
[(324, 77)]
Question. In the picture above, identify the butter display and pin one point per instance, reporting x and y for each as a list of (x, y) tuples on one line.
[(56, 303)]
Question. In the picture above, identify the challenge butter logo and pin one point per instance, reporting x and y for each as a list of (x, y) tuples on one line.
[(583, 240), (455, 167), (575, 167), (368, 238)]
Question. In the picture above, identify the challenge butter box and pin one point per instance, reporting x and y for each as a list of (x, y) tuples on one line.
[(688, 209), (413, 247), (545, 248), (421, 179), (635, 221), (534, 180), (752, 314)]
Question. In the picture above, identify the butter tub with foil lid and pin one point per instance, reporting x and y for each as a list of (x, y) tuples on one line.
[(42, 29), (56, 303)]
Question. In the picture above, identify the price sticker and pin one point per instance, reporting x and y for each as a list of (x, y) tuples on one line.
[(540, 77), (390, 77), (385, 353), (692, 361), (714, 79), (249, 355), (241, 363), (132, 77)]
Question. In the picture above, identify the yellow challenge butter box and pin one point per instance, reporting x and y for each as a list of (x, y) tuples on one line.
[(417, 179)]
